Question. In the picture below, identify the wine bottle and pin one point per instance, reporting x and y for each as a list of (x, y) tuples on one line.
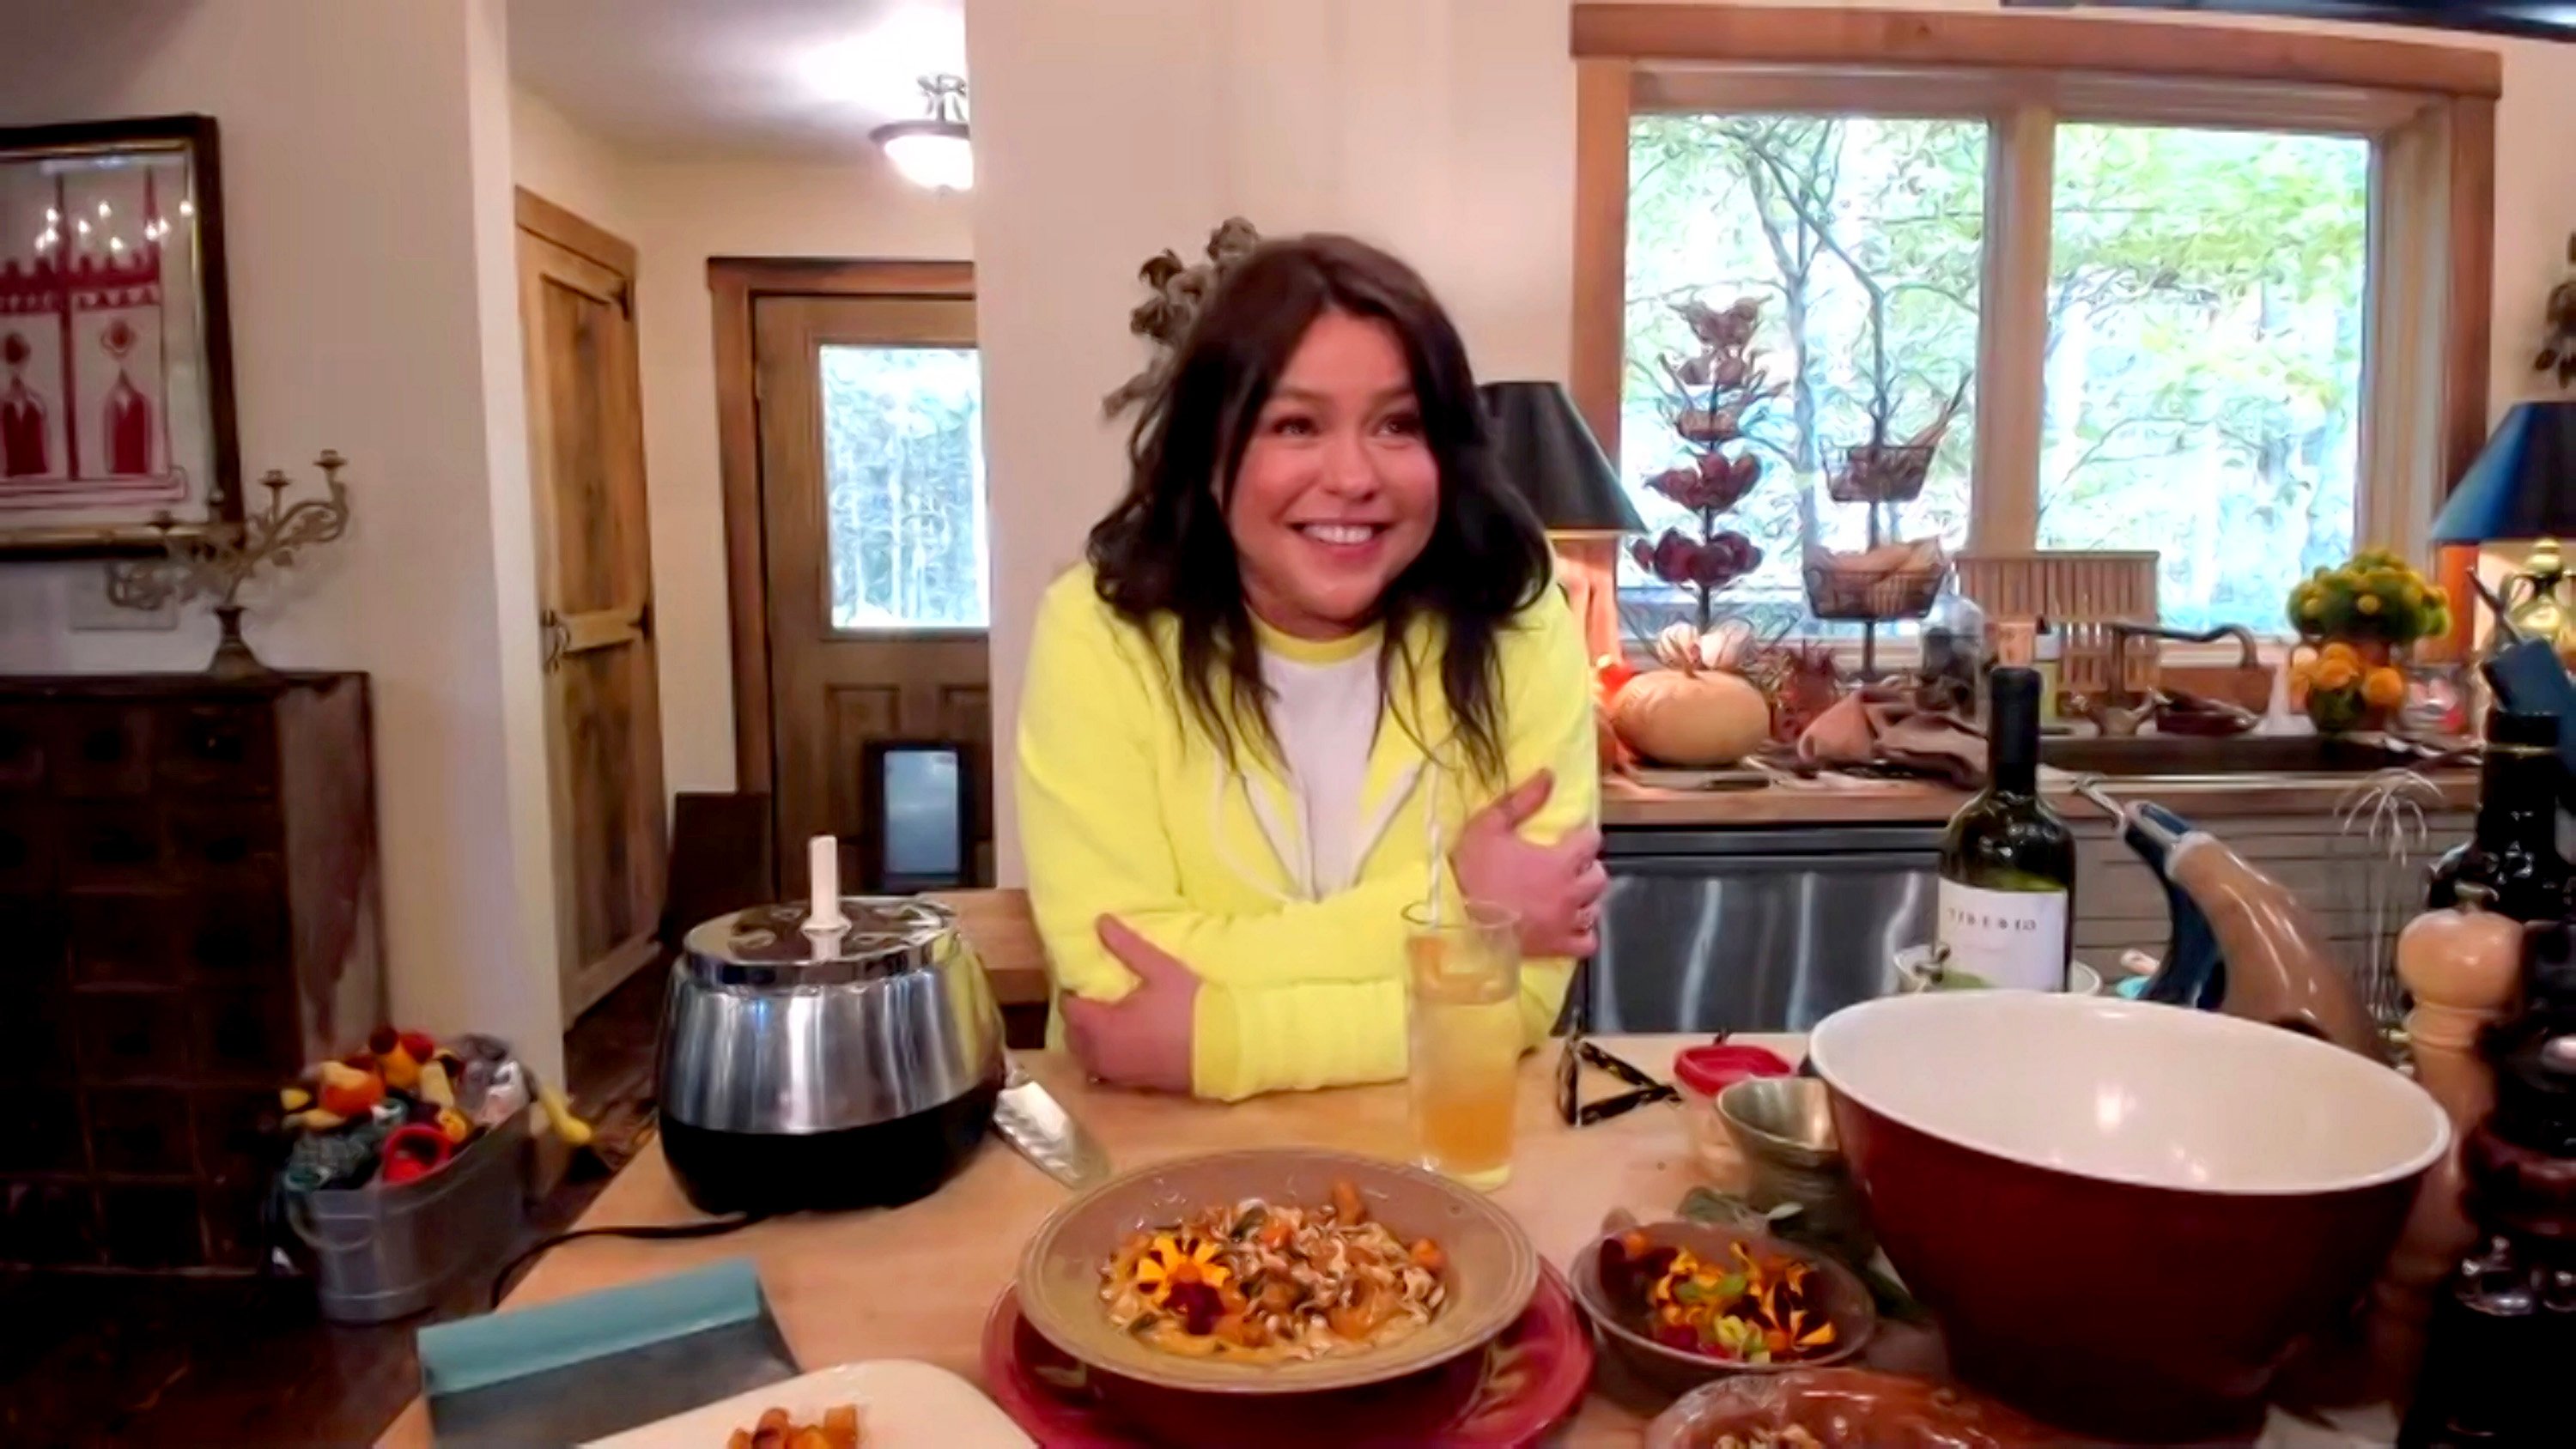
[(2007, 889), (2514, 851)]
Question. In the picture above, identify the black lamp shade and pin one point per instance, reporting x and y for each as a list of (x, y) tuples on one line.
[(1545, 452), (2523, 485)]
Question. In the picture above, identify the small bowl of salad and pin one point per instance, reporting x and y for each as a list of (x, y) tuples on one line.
[(1682, 1303)]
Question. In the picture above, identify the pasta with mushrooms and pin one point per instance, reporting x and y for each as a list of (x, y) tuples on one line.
[(1263, 1282)]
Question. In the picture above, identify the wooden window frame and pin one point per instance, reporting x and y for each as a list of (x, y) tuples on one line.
[(2428, 109), (737, 284)]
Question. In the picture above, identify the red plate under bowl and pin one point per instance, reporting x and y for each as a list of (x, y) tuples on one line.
[(1506, 1395)]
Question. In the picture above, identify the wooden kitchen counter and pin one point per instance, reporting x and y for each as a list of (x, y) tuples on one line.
[(1847, 800), (1853, 800), (915, 1282)]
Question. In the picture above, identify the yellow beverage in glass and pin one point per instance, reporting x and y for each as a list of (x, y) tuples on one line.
[(1464, 975)]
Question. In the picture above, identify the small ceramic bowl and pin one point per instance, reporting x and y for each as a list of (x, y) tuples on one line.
[(1784, 1120), (1784, 1129), (1674, 1371), (1491, 1274)]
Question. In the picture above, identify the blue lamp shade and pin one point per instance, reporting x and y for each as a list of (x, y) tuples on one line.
[(1544, 450), (2523, 485)]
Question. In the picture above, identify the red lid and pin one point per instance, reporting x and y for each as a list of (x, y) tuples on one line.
[(1709, 1070)]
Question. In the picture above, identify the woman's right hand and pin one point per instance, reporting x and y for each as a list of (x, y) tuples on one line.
[(1555, 889)]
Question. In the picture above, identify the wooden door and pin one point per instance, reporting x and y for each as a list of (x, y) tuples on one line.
[(595, 595), (873, 539)]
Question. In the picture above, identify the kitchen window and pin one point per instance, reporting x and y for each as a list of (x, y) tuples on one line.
[(2210, 291)]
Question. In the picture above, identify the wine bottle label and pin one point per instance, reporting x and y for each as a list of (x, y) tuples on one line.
[(2005, 938)]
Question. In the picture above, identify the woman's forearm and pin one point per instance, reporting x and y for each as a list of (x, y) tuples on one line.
[(1330, 1034), (1298, 1036)]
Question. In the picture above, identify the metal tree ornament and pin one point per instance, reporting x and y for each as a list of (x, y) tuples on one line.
[(216, 562), (1714, 391)]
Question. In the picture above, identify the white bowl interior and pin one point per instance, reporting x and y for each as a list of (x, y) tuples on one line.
[(2131, 1091)]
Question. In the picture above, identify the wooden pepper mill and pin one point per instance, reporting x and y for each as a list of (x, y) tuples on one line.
[(2462, 964)]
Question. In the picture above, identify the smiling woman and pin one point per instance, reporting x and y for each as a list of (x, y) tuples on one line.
[(1315, 641), (1328, 509)]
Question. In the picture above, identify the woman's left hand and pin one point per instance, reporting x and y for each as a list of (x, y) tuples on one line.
[(1149, 1038), (1555, 890)]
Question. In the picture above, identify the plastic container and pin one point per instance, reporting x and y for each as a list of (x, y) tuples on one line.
[(1701, 1072), (382, 1253)]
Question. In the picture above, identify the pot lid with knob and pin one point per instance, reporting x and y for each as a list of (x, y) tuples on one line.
[(775, 945)]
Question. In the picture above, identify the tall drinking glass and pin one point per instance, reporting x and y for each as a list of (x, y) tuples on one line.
[(1464, 972)]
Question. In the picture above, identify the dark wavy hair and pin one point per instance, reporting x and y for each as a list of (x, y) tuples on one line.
[(1165, 548)]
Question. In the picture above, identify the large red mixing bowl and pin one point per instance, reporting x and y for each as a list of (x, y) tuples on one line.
[(2124, 1215)]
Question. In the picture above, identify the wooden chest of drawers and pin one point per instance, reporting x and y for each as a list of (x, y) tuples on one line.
[(188, 914)]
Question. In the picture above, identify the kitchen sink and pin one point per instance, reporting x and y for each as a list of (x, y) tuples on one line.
[(2248, 754)]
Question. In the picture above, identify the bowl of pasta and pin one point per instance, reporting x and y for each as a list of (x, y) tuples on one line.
[(1275, 1271)]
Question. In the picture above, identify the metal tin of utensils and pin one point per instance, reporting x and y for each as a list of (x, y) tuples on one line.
[(809, 1068)]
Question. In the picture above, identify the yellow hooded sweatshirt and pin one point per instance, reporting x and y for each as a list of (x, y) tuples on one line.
[(1129, 808)]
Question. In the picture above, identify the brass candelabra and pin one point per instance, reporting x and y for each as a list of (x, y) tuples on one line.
[(216, 561)]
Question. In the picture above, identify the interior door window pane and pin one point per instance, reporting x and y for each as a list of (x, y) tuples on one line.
[(1863, 237), (2205, 301), (903, 476)]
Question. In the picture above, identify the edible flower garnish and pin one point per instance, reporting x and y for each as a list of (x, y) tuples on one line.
[(1752, 1309), (1262, 1281), (1183, 1275)]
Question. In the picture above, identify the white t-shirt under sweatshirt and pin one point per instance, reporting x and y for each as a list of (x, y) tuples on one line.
[(1324, 708)]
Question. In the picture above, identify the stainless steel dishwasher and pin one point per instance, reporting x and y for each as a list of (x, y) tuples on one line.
[(1756, 929)]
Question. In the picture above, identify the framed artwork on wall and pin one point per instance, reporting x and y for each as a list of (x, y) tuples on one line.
[(116, 389)]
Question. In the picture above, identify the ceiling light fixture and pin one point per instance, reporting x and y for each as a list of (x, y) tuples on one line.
[(935, 151)]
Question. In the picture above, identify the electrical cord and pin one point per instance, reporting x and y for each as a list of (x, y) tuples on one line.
[(511, 1271)]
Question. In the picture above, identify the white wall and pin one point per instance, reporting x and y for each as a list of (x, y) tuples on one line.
[(678, 214), (551, 155), (2535, 207), (361, 230), (1442, 128)]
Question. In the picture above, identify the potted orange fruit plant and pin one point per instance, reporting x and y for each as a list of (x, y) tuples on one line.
[(2355, 625)]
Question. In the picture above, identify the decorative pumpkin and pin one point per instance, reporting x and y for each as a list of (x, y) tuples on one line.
[(1691, 651), (1696, 719)]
